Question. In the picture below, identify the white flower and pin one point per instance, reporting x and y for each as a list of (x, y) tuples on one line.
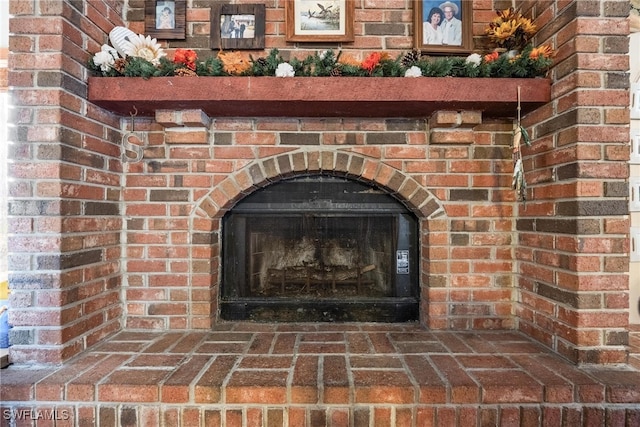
[(474, 59), (285, 70), (145, 48), (512, 53), (105, 58), (413, 72)]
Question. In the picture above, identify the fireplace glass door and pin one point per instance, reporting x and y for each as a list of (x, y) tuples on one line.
[(319, 249)]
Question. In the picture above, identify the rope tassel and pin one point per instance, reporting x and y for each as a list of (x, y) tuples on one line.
[(520, 135)]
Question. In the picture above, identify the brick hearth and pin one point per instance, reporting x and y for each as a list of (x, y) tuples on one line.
[(247, 374)]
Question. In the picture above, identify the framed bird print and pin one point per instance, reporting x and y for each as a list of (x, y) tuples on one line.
[(443, 26), (319, 20)]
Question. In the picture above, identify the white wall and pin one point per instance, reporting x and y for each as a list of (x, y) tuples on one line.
[(4, 23)]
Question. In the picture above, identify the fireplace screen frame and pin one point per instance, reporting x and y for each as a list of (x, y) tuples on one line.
[(325, 199)]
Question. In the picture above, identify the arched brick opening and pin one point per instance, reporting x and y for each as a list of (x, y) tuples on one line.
[(207, 218)]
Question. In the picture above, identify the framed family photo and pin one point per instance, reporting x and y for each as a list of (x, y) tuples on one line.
[(237, 26), (165, 19), (443, 26), (319, 20)]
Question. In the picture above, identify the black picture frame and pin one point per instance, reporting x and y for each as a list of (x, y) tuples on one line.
[(237, 26), (453, 37), (165, 19)]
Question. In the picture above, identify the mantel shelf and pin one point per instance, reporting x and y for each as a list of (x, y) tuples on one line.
[(318, 96)]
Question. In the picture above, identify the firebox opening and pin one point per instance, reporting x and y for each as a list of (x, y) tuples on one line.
[(320, 248)]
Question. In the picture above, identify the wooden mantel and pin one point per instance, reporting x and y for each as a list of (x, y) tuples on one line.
[(318, 96)]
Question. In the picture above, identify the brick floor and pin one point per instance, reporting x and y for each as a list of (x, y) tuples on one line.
[(322, 375)]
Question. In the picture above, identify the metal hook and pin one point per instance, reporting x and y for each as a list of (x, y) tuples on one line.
[(133, 122), (128, 146)]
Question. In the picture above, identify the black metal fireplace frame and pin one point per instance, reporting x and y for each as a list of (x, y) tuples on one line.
[(321, 196)]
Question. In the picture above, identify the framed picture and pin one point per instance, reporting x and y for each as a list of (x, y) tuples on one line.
[(319, 20), (165, 19), (443, 26), (237, 26)]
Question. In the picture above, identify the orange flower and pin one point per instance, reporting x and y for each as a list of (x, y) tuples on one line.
[(372, 61), (234, 63), (490, 57), (542, 51), (347, 59), (187, 57)]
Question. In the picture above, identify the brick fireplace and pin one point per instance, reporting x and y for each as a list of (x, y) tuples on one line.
[(400, 142), (100, 243)]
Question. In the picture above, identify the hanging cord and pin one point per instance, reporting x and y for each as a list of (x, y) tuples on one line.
[(520, 135)]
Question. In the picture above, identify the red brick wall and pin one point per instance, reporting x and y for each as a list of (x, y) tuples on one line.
[(195, 174), (572, 246), (379, 25), (65, 222), (73, 283)]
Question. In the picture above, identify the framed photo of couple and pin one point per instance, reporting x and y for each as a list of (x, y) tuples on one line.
[(443, 26)]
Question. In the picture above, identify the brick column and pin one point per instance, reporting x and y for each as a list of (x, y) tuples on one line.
[(64, 207), (572, 242)]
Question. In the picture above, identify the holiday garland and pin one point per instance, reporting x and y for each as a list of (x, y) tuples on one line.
[(531, 62)]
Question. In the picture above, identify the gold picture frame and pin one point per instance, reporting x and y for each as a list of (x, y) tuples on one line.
[(319, 20), (452, 34)]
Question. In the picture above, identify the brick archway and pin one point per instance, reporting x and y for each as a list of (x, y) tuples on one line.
[(346, 164), (206, 221)]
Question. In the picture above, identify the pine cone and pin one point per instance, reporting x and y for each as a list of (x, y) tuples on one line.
[(185, 72), (119, 65), (336, 72), (410, 58), (262, 62)]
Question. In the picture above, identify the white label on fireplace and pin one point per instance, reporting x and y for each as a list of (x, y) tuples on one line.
[(402, 262)]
